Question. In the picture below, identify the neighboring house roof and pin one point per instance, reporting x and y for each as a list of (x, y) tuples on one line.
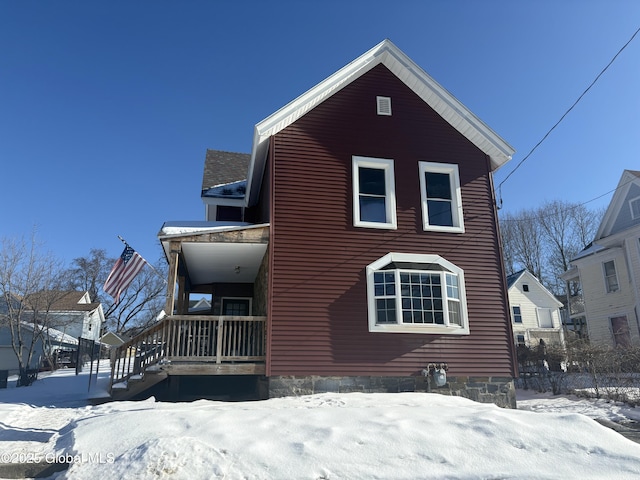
[(54, 335), (615, 218), (61, 301), (223, 168), (513, 278), (112, 338), (387, 54), (527, 276)]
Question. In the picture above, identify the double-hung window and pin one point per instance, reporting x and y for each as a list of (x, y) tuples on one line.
[(517, 314), (416, 293), (610, 276), (374, 199), (441, 197)]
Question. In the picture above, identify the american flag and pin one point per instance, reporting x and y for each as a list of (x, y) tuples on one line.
[(123, 272)]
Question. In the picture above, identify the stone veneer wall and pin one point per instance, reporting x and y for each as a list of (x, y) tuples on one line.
[(260, 287), (498, 390)]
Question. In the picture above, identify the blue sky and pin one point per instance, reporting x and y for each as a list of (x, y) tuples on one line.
[(107, 108)]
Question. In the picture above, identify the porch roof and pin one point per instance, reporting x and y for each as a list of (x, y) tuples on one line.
[(212, 252)]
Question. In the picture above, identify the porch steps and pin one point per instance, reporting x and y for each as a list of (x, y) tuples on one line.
[(136, 384)]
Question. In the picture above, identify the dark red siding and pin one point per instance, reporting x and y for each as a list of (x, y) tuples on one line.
[(318, 291)]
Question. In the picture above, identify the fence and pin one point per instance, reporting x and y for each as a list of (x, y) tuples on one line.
[(583, 369)]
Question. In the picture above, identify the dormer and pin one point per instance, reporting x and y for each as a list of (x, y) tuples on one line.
[(224, 186)]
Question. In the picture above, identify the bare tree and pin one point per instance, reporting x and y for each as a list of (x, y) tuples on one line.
[(521, 238), (89, 273), (28, 288), (141, 304), (545, 239), (568, 228)]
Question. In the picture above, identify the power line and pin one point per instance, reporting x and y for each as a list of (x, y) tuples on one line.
[(566, 113)]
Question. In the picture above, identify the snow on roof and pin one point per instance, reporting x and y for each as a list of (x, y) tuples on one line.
[(54, 335), (194, 227), (227, 190)]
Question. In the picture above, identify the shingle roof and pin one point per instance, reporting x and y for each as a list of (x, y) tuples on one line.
[(60, 301), (224, 167), (513, 278)]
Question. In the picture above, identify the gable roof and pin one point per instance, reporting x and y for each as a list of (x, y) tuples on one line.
[(61, 301), (513, 278), (386, 53), (222, 168), (629, 180), (530, 277)]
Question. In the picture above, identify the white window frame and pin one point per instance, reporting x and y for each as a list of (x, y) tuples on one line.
[(390, 192), (423, 328), (608, 288), (514, 314), (456, 196), (632, 202)]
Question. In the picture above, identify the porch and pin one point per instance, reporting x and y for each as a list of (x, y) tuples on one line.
[(226, 263)]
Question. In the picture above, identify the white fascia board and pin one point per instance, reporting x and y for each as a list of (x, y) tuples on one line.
[(616, 203), (431, 92)]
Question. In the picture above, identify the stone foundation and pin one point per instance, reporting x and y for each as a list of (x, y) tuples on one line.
[(498, 390)]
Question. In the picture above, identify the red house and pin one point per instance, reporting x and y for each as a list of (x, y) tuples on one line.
[(355, 248)]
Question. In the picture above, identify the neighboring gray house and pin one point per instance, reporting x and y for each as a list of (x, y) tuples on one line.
[(44, 344), (535, 312), (603, 280)]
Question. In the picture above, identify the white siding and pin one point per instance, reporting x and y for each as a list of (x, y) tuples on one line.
[(601, 305), (529, 302)]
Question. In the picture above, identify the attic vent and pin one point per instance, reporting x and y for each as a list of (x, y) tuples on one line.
[(384, 105)]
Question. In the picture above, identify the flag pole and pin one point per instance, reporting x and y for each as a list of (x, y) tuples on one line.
[(145, 261)]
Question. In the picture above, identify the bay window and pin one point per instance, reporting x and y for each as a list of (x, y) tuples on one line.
[(416, 293)]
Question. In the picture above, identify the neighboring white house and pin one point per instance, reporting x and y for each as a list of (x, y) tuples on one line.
[(603, 280), (535, 311), (72, 313)]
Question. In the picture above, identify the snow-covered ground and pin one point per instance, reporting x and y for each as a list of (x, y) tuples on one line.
[(328, 436)]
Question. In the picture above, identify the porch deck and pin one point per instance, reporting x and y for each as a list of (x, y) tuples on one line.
[(193, 345)]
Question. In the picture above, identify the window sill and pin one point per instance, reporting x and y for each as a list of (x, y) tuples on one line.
[(380, 226), (428, 329), (436, 228)]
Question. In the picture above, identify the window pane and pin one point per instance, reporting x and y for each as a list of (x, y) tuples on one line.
[(454, 313), (386, 310), (373, 209), (452, 286), (371, 181), (610, 268), (438, 185), (611, 279), (440, 213)]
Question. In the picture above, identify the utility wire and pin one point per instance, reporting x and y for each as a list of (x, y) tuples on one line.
[(565, 113)]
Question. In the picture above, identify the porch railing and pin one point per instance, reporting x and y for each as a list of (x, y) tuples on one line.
[(191, 338)]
